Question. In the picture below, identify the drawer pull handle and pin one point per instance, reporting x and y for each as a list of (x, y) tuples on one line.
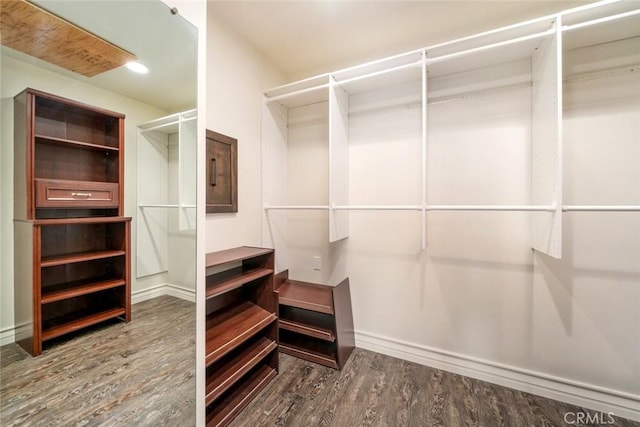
[(81, 194), (214, 172)]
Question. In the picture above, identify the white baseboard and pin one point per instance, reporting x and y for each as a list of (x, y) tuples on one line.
[(8, 335), (163, 289), (588, 396)]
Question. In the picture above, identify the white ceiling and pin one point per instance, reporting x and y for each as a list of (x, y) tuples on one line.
[(165, 43), (303, 38)]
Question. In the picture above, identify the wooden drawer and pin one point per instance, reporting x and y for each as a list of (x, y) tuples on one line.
[(56, 193)]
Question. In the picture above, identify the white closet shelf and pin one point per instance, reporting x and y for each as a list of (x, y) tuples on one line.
[(502, 44), (169, 124), (602, 30)]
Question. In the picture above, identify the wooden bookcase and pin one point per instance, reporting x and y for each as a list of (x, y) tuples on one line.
[(71, 242), (315, 321), (241, 331)]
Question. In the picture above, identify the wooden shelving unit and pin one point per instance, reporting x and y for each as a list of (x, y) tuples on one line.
[(241, 330), (315, 321), (71, 244)]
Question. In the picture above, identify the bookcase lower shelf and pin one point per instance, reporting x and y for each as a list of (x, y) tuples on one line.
[(239, 396), (241, 344)]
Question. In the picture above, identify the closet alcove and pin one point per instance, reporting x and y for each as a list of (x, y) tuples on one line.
[(428, 131), (170, 88)]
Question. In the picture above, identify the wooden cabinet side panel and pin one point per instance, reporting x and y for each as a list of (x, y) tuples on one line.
[(345, 339), (121, 170), (25, 287), (127, 273), (23, 156)]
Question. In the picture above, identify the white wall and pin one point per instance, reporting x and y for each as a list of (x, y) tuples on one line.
[(16, 76), (237, 77), (478, 300)]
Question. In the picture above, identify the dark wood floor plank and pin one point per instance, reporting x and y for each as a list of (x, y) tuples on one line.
[(122, 374), (377, 390), (142, 374)]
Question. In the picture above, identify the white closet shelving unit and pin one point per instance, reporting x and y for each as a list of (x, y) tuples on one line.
[(166, 189), (522, 57)]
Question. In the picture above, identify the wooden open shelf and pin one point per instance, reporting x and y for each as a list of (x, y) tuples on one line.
[(308, 348), (234, 278), (241, 348), (76, 289), (307, 329), (80, 320), (238, 397), (79, 257), (230, 328), (74, 144), (235, 255), (315, 321)]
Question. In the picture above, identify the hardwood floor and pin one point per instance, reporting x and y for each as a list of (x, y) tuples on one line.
[(126, 374), (142, 374), (378, 390)]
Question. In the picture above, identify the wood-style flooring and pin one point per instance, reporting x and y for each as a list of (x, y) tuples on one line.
[(140, 373), (378, 390)]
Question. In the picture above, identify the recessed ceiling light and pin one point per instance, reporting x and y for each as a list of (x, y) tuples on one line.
[(137, 67)]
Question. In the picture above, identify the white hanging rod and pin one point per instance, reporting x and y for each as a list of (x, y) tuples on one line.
[(601, 20), (419, 208), (514, 208), (378, 73), (297, 92), (497, 208), (490, 46), (152, 205), (379, 208), (601, 208), (298, 208)]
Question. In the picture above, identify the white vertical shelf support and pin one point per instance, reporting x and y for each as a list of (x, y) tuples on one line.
[(187, 173), (338, 160), (274, 180), (425, 105), (546, 143)]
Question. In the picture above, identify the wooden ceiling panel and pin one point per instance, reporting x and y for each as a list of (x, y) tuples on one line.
[(36, 32)]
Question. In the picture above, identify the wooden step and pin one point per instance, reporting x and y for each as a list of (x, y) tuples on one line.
[(309, 296)]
